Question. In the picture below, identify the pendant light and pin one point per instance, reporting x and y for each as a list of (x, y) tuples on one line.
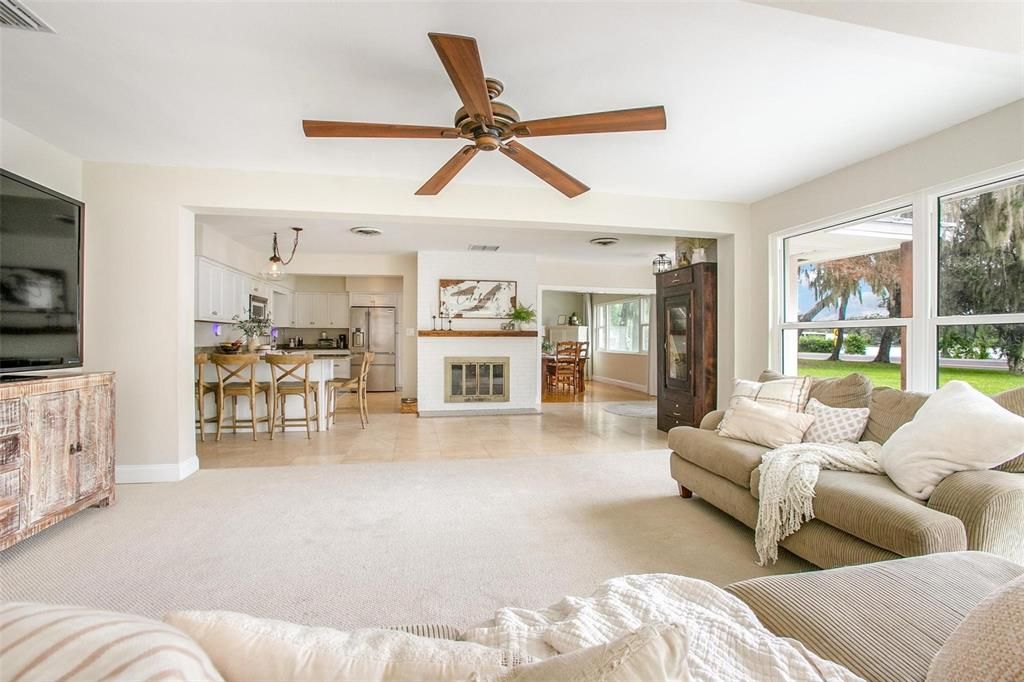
[(275, 264), (661, 264)]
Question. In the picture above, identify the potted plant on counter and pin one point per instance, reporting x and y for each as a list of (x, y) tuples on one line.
[(253, 328), (522, 314)]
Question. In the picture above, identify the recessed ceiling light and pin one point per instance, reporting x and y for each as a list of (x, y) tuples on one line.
[(366, 231), (604, 241)]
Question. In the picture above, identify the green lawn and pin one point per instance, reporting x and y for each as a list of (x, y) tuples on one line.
[(987, 381)]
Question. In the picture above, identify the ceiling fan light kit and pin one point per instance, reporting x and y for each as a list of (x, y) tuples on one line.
[(490, 125)]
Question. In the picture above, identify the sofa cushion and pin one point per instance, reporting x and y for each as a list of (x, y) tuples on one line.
[(762, 424), (884, 621), (871, 508), (789, 393), (1013, 400), (731, 459), (853, 390), (248, 648), (989, 639), (46, 642), (890, 409)]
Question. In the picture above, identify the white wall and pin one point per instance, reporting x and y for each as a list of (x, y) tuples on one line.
[(981, 144), (33, 158)]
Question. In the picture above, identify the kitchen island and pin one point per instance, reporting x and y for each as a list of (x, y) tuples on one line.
[(328, 363)]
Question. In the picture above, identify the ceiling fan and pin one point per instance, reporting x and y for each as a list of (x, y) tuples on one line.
[(490, 124)]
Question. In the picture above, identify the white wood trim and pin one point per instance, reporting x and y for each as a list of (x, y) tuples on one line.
[(155, 473), (849, 324), (1007, 318), (624, 384)]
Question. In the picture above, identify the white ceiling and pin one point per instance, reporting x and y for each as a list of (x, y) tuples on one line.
[(758, 98), (333, 235)]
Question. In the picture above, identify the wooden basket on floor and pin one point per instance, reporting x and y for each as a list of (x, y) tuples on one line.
[(409, 406)]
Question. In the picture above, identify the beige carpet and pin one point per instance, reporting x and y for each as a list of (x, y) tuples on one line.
[(355, 545)]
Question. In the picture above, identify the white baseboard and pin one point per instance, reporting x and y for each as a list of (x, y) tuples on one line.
[(156, 473), (429, 414), (618, 382)]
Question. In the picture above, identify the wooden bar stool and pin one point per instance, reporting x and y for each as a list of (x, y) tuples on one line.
[(232, 382), (356, 385), (295, 366), (202, 388)]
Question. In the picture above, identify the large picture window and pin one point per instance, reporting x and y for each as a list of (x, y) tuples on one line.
[(623, 325), (848, 291)]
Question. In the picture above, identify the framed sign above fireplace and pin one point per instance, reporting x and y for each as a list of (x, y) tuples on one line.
[(476, 298)]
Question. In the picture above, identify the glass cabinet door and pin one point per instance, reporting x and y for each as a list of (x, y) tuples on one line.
[(678, 348)]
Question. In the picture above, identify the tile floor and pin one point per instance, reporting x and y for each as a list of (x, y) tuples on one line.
[(570, 427)]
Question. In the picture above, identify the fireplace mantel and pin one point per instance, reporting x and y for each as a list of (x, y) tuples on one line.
[(477, 333)]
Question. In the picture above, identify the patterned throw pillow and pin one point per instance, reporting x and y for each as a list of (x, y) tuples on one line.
[(835, 424), (785, 394)]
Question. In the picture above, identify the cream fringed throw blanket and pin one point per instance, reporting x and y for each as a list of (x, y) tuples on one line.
[(788, 477), (723, 639)]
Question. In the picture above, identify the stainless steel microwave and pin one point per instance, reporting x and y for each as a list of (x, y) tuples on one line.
[(257, 306)]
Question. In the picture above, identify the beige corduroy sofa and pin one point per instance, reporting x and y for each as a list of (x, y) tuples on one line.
[(861, 518)]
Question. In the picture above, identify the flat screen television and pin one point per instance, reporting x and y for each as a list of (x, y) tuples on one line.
[(40, 277)]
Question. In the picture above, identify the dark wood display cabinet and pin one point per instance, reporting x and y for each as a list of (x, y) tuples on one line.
[(687, 349)]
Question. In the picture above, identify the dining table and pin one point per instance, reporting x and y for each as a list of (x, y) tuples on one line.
[(547, 361)]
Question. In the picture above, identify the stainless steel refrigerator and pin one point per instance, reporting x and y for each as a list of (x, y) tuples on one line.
[(374, 330)]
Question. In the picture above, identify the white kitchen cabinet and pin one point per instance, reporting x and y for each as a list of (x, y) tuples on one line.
[(379, 300), (221, 293), (337, 310), (558, 333), (282, 312), (310, 310)]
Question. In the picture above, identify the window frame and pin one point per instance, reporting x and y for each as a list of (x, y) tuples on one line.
[(601, 326), (922, 328)]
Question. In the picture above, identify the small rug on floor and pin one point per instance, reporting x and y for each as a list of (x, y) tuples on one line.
[(646, 409)]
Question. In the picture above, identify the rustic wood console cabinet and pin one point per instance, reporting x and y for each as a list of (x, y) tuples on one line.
[(56, 451)]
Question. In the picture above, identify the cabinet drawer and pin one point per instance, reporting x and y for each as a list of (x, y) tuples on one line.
[(10, 416), (10, 448), (10, 492)]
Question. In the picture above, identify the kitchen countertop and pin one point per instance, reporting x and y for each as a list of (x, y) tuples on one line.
[(317, 352)]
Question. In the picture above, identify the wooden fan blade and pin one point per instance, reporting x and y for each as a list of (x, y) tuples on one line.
[(344, 129), (624, 121), (461, 59), (544, 169), (448, 171)]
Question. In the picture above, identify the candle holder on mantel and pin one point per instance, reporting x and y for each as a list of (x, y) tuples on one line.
[(433, 323), (449, 323)]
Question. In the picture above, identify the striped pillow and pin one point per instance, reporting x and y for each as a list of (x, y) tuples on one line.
[(788, 394), (45, 642)]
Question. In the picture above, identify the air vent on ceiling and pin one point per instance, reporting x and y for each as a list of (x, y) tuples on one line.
[(366, 231), (483, 247), (15, 15)]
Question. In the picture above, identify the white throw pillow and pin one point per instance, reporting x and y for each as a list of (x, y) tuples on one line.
[(246, 648), (835, 424), (46, 642), (767, 426), (789, 394), (957, 429)]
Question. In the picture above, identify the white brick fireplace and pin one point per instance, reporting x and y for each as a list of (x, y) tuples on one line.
[(523, 352)]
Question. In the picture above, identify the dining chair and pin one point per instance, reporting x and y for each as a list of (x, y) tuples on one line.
[(582, 355), (289, 375), (236, 377), (355, 385), (566, 365), (202, 388)]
